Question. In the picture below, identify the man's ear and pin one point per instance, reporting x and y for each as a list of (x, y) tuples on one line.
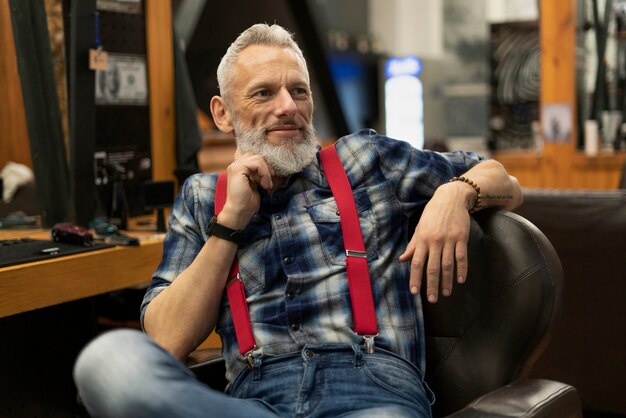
[(221, 115)]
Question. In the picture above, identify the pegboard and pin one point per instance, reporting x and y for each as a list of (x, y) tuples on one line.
[(123, 32), (123, 127), (122, 107)]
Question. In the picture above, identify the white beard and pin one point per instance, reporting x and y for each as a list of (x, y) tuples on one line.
[(291, 156)]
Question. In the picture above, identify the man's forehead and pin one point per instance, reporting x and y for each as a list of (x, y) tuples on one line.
[(256, 55)]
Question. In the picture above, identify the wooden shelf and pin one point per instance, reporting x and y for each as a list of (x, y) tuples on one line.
[(524, 158), (608, 161)]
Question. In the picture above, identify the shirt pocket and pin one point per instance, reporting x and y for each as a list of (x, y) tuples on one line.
[(325, 216), (253, 255)]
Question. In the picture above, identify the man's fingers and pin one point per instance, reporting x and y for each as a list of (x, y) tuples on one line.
[(447, 270), (264, 180), (408, 252), (417, 268), (432, 273), (461, 261), (254, 167)]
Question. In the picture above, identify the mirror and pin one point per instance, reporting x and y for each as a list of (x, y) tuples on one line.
[(45, 135)]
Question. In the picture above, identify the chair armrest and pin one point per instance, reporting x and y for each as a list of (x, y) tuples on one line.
[(526, 398)]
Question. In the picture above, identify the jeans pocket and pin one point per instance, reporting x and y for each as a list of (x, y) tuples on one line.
[(398, 379)]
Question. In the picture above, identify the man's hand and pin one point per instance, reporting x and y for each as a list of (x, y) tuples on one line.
[(440, 241), (245, 174)]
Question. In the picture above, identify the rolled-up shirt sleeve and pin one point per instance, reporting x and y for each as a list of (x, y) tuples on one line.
[(192, 210)]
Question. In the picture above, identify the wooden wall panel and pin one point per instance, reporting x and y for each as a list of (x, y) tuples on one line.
[(159, 36), (14, 145), (557, 38)]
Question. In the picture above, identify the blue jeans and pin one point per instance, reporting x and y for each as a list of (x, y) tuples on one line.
[(124, 374)]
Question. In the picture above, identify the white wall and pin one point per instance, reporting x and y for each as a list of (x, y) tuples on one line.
[(507, 10), (416, 26), (408, 27)]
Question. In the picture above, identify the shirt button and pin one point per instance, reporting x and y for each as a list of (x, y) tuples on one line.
[(290, 295), (287, 260), (277, 217), (295, 327), (308, 354)]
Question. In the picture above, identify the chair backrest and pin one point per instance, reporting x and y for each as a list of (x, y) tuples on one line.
[(491, 329)]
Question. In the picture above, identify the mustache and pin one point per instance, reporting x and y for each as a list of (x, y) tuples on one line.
[(289, 123)]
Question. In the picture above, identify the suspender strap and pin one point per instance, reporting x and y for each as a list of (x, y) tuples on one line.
[(241, 317), (220, 192), (359, 281), (235, 289)]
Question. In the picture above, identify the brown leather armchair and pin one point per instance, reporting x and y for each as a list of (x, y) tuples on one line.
[(483, 340)]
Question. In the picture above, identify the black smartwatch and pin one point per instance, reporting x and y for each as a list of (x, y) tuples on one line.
[(224, 232)]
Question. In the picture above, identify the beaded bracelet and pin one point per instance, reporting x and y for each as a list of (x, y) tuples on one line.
[(478, 198)]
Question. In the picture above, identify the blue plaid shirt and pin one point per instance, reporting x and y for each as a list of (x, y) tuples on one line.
[(292, 260)]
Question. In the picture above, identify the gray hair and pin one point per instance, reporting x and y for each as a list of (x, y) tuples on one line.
[(258, 34)]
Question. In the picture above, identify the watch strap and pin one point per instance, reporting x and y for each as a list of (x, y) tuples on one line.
[(218, 230)]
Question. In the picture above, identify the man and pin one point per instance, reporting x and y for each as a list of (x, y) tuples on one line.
[(307, 360)]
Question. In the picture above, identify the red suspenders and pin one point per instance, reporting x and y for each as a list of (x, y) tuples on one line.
[(356, 258), (235, 289), (359, 282)]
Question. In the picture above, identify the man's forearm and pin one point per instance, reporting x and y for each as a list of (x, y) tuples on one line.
[(185, 313)]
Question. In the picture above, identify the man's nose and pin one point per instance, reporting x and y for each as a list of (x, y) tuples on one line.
[(285, 105)]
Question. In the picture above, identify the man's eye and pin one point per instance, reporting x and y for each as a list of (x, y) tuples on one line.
[(300, 91), (262, 93)]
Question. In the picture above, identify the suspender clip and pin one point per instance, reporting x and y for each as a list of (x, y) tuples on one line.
[(249, 359), (369, 343), (232, 280), (354, 253)]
